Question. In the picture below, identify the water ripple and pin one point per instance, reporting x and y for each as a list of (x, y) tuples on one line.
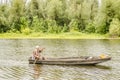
[(14, 60)]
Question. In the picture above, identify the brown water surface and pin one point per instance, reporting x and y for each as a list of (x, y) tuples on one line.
[(14, 56)]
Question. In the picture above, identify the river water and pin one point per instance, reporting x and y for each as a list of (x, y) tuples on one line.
[(14, 54)]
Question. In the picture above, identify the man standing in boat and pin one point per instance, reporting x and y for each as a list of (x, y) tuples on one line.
[(37, 53)]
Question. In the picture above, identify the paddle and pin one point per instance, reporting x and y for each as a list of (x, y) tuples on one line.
[(35, 61)]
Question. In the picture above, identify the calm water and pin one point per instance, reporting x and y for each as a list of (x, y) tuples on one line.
[(14, 56)]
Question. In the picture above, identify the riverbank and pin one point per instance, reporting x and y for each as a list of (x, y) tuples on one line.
[(68, 35)]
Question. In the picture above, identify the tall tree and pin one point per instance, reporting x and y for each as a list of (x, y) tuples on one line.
[(16, 11)]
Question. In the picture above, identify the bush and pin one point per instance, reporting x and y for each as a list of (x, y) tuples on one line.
[(90, 28), (73, 25), (26, 31), (101, 29), (65, 28), (114, 29), (39, 25), (53, 27)]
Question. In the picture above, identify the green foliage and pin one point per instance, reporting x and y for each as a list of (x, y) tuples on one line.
[(54, 11), (52, 16), (4, 23), (24, 26), (16, 12), (56, 16), (90, 28), (115, 27), (107, 11), (73, 26), (33, 8), (38, 25), (26, 30), (65, 28), (53, 27)]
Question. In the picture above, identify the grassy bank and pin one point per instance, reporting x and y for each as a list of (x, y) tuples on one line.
[(69, 35)]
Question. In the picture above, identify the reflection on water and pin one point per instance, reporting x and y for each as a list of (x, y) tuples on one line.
[(14, 56), (50, 72), (59, 72), (36, 71), (103, 67)]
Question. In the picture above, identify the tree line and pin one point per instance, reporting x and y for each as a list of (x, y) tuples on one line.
[(57, 16)]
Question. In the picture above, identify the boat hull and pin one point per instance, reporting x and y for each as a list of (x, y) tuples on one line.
[(71, 61)]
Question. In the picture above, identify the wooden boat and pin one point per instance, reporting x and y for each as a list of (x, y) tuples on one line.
[(83, 60)]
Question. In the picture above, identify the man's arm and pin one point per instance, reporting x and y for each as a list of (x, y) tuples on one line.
[(36, 54), (41, 49)]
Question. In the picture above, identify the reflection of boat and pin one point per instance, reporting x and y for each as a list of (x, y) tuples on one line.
[(83, 60), (35, 71), (103, 67)]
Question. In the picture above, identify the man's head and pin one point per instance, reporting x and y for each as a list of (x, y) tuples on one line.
[(37, 47)]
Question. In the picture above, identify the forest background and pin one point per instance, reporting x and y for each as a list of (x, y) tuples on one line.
[(60, 16)]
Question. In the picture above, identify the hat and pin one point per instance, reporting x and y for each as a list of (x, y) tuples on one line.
[(37, 47)]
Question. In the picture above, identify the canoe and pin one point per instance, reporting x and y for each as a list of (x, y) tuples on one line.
[(83, 60)]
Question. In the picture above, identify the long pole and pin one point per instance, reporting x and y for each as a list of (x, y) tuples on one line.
[(35, 61)]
